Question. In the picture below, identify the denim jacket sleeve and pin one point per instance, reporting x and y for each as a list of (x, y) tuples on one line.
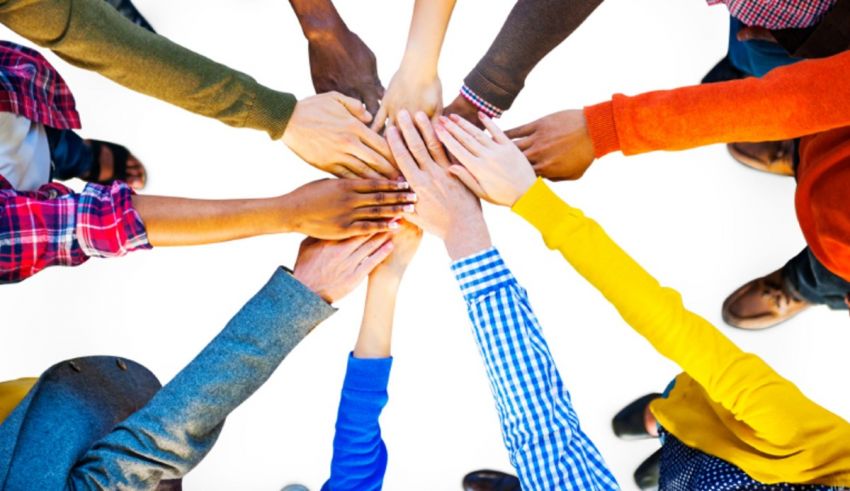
[(172, 433)]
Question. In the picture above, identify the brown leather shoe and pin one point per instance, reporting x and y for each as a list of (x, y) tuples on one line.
[(762, 303), (772, 157)]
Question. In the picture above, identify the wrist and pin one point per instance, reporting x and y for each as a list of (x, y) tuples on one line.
[(282, 212), (416, 67), (467, 237), (319, 23)]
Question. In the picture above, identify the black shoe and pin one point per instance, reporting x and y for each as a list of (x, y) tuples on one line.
[(487, 480), (647, 474), (723, 71), (128, 10), (628, 424)]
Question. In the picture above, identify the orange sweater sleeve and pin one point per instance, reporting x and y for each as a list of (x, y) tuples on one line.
[(795, 100)]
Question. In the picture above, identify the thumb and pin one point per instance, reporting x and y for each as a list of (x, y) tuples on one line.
[(355, 107), (380, 119)]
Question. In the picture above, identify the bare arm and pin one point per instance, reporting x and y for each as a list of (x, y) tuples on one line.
[(328, 209)]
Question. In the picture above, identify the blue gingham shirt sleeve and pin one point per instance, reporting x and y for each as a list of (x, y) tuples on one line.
[(539, 426)]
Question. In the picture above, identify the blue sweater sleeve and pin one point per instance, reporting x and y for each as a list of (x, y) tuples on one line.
[(359, 455)]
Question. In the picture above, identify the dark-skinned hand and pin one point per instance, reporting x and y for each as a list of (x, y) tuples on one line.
[(464, 109), (558, 145), (340, 61)]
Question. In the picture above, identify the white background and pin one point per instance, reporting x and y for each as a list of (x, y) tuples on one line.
[(697, 220)]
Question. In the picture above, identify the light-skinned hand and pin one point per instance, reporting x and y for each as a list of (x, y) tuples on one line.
[(329, 131), (342, 208), (558, 145), (491, 166), (444, 207), (405, 243), (412, 92), (332, 269)]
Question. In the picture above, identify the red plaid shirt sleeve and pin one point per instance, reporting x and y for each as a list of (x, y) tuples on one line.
[(54, 226)]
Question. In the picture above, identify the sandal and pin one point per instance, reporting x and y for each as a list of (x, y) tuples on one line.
[(120, 157), (128, 10)]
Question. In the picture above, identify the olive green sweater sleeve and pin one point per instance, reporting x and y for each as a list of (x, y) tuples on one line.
[(773, 407), (92, 35)]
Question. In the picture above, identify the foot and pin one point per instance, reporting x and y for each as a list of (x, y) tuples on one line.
[(649, 472), (487, 480), (136, 173), (635, 421), (772, 157), (762, 303)]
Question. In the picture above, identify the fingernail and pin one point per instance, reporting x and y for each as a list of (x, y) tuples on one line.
[(443, 118), (393, 225), (403, 185), (454, 117), (412, 197), (408, 208)]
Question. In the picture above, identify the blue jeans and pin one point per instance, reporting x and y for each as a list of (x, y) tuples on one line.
[(71, 157), (755, 58)]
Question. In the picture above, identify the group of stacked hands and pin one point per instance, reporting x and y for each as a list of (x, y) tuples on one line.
[(729, 421)]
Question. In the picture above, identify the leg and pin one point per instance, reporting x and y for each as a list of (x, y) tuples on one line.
[(70, 155), (814, 283)]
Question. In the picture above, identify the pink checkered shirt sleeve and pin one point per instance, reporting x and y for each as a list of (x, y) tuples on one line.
[(777, 14), (54, 226)]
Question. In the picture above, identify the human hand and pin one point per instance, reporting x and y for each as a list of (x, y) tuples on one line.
[(492, 167), (411, 91), (332, 269), (406, 241), (342, 208), (558, 145), (445, 207), (465, 109), (340, 61), (329, 131)]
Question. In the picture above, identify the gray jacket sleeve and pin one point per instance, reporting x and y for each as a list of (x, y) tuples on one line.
[(531, 31), (178, 427)]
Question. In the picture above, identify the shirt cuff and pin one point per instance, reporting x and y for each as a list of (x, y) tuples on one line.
[(271, 111), (367, 374), (107, 223), (489, 109), (602, 128), (482, 273)]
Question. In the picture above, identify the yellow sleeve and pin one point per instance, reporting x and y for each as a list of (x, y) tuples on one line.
[(740, 382), (91, 34), (11, 394)]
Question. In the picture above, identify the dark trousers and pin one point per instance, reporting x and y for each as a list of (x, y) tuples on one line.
[(70, 156), (814, 282)]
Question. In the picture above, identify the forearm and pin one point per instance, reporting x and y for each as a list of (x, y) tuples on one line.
[(531, 31), (92, 35), (318, 18), (180, 221), (375, 338), (425, 39), (539, 426), (739, 110), (177, 428)]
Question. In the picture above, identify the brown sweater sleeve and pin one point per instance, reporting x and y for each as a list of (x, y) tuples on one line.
[(92, 35), (795, 100), (531, 31)]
